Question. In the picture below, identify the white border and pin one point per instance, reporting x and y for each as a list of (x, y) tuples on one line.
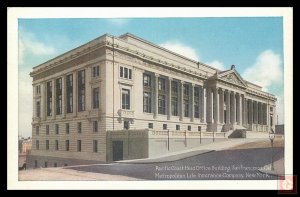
[(12, 73)]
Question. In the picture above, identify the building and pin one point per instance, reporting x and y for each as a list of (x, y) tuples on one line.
[(123, 97)]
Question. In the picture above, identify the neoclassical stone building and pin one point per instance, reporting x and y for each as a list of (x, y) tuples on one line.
[(123, 98)]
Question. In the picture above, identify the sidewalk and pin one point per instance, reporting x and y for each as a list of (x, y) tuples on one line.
[(202, 149), (278, 168)]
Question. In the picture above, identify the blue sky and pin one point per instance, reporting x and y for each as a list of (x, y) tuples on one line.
[(253, 44)]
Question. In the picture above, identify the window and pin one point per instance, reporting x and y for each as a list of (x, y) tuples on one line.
[(35, 164), (58, 96), (178, 127), (38, 89), (69, 93), (49, 98), (95, 146), (55, 165), (37, 145), (38, 109), (46, 164), (67, 145), (174, 87), (81, 90), (79, 127), (150, 125), (56, 129), (189, 128), (147, 102), (96, 71), (125, 73), (161, 104), (161, 84), (174, 106), (67, 128), (96, 98), (196, 102), (47, 129), (56, 145), (47, 144), (147, 80), (78, 145), (125, 99), (199, 128), (126, 125), (37, 130), (165, 126), (271, 109), (186, 108), (186, 90), (95, 126)]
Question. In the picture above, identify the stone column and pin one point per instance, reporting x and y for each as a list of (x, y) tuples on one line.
[(256, 112), (203, 100), (155, 103), (221, 105), (53, 99), (245, 111), (169, 97), (261, 113), (192, 101), (228, 107), (233, 110), (43, 101), (275, 117), (268, 116), (75, 89), (63, 99), (240, 110), (250, 111), (209, 106), (216, 105), (181, 101)]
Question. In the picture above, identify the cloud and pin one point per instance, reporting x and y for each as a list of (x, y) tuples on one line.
[(119, 22), (25, 102), (28, 44), (216, 64), (266, 70), (181, 49)]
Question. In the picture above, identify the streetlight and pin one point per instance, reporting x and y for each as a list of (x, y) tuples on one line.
[(272, 137)]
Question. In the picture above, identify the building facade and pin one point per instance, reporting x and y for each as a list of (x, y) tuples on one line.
[(122, 97)]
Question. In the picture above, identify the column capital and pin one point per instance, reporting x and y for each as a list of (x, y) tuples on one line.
[(170, 78), (182, 82), (193, 85), (156, 74)]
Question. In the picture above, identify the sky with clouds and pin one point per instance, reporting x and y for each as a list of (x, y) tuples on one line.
[(253, 44)]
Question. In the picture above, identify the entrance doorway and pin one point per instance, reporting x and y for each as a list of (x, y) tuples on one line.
[(117, 147)]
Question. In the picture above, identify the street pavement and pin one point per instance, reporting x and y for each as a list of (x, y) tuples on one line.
[(236, 164)]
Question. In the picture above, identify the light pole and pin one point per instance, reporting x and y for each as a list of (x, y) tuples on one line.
[(272, 137)]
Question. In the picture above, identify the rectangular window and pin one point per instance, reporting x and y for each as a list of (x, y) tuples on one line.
[(121, 71), (67, 145), (38, 89), (174, 106), (174, 87), (186, 108), (130, 73), (37, 130), (56, 129), (78, 145), (199, 128), (126, 125), (95, 146), (69, 81), (49, 98), (79, 127), (55, 165), (37, 145), (56, 145), (196, 102), (125, 99), (161, 104), (35, 164), (147, 80), (47, 144), (147, 102), (161, 84), (67, 128), (47, 129), (150, 125), (125, 73), (165, 126), (81, 90), (96, 71), (186, 90), (58, 96), (95, 126), (178, 127), (189, 128), (46, 164), (96, 98), (38, 109)]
